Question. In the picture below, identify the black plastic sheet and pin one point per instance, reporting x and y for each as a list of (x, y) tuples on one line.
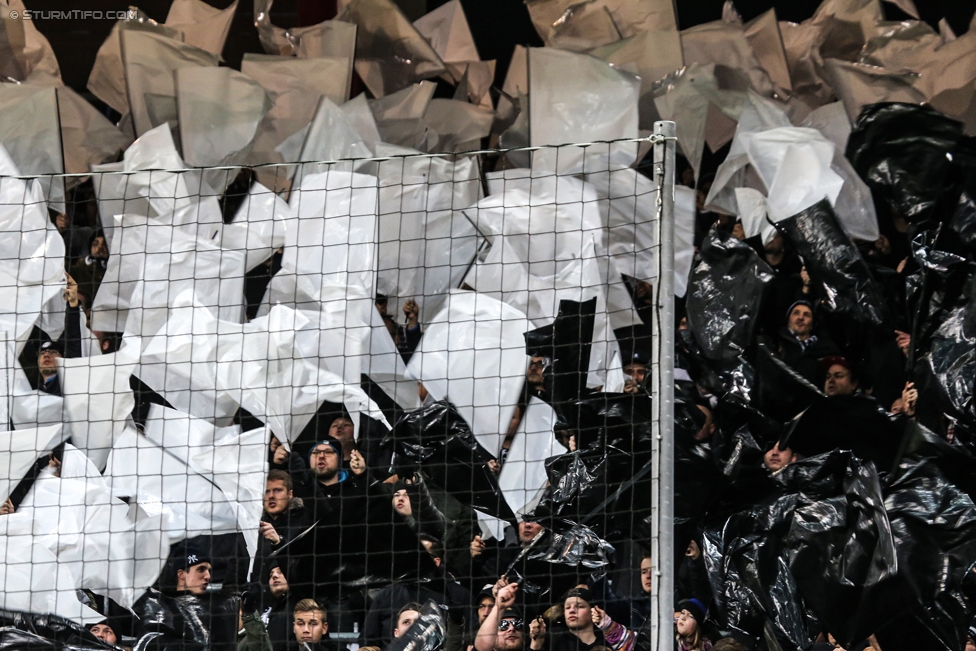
[(733, 377), (19, 630), (426, 634), (934, 528), (840, 275), (566, 343), (951, 357), (819, 542), (856, 422), (725, 295), (437, 440), (781, 392), (12, 639), (578, 545), (900, 151)]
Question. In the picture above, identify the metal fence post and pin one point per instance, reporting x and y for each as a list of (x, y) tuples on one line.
[(662, 473)]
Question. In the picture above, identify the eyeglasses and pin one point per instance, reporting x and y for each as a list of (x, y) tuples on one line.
[(505, 623), (316, 453)]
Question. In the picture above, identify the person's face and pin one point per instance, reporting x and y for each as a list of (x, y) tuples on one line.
[(839, 381), (406, 620), (778, 458), (381, 306), (104, 633), (801, 321), (647, 574), (529, 530), (484, 607), (577, 614), (636, 371), (48, 359), (342, 430), (276, 497), (685, 623), (970, 644), (534, 375), (511, 638), (310, 626), (898, 406), (324, 461), (277, 583), (195, 579), (99, 249), (401, 503)]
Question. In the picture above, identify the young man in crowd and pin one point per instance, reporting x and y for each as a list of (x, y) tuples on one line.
[(586, 626), (310, 625), (777, 458), (47, 366)]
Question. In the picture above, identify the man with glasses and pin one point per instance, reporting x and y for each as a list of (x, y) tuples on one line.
[(504, 629), (336, 505)]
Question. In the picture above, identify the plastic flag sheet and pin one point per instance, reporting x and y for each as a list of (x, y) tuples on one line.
[(658, 336)]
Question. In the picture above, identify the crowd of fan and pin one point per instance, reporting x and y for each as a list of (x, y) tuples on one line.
[(321, 510)]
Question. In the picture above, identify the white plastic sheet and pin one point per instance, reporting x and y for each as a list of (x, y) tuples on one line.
[(31, 256), (579, 98), (685, 213), (160, 483), (203, 26), (219, 111), (99, 540), (426, 244), (98, 398), (258, 228), (236, 461), (31, 578), (29, 408), (151, 61), (524, 471), (473, 354), (31, 133), (87, 137), (107, 78), (152, 262), (19, 449), (390, 53)]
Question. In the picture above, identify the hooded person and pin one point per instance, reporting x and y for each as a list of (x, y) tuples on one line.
[(278, 604), (183, 610)]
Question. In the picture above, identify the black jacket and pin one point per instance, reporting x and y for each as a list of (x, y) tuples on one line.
[(805, 360), (184, 621)]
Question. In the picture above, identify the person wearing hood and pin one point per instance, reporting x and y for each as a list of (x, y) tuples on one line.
[(279, 601)]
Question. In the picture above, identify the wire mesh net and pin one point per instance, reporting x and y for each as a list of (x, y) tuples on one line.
[(340, 404)]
